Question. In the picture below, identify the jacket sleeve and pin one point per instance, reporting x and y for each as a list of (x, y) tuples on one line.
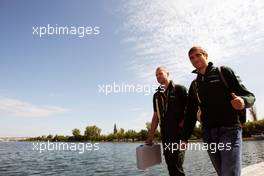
[(190, 115), (237, 86)]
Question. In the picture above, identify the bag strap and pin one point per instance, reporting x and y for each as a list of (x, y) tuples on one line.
[(195, 90), (222, 77)]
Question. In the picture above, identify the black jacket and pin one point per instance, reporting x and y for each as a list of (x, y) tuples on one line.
[(170, 106), (215, 99)]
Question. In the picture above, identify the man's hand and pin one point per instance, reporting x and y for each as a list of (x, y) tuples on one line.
[(241, 125), (153, 127), (237, 102), (149, 141)]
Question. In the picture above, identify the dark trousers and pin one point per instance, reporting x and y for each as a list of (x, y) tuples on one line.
[(174, 159), (226, 162)]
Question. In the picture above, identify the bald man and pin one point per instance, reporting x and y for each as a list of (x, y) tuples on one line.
[(169, 103)]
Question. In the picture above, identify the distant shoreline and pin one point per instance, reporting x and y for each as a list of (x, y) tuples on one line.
[(191, 140)]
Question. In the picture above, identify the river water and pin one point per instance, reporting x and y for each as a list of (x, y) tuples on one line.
[(103, 159)]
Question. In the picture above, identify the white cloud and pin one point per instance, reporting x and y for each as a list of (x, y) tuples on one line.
[(20, 108), (161, 32)]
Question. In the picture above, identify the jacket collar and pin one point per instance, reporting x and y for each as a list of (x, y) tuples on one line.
[(170, 86)]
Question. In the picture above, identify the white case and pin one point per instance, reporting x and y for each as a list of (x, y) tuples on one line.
[(148, 155)]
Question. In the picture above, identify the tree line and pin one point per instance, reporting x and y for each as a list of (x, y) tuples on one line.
[(93, 133)]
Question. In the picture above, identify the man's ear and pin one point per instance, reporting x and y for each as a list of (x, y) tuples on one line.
[(168, 74)]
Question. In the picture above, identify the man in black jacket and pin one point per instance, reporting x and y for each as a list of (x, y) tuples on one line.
[(220, 111), (169, 103)]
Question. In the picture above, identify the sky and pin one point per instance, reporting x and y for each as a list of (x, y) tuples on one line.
[(53, 83)]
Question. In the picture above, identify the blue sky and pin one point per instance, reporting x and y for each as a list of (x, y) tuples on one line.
[(50, 84)]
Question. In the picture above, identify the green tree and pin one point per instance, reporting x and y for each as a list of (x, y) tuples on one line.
[(143, 135), (131, 134), (76, 134), (43, 138), (120, 134), (252, 128), (49, 137), (103, 138), (60, 138), (110, 137), (92, 132)]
